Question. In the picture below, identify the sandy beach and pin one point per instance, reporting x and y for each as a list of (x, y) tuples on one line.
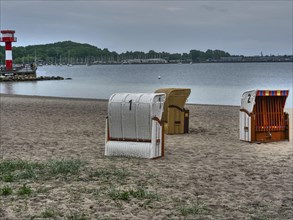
[(206, 174)]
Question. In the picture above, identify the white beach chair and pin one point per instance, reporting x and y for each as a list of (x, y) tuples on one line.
[(133, 125)]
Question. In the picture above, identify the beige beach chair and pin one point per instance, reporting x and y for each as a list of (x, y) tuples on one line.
[(175, 116), (133, 125)]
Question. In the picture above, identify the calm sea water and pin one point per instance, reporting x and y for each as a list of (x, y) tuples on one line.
[(218, 83)]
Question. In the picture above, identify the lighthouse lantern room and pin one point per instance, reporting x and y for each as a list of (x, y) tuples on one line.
[(8, 38)]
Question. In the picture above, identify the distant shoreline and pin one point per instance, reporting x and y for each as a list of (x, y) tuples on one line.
[(51, 97), (72, 53)]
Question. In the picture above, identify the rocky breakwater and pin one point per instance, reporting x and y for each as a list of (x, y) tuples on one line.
[(18, 78)]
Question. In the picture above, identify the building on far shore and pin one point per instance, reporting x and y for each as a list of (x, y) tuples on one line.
[(256, 59), (145, 61)]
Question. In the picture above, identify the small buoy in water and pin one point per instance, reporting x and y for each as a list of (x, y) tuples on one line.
[(159, 77)]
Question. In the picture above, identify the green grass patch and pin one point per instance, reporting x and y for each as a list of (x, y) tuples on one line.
[(8, 166), (72, 166), (118, 194), (139, 193), (30, 173), (5, 191), (49, 213), (8, 177), (77, 216), (25, 190), (259, 217), (194, 209), (17, 170)]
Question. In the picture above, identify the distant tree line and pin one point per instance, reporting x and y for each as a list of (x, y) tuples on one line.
[(76, 53)]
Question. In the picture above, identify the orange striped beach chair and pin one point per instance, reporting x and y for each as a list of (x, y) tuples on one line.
[(262, 117)]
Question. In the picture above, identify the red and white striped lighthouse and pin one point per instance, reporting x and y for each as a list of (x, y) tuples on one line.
[(8, 38)]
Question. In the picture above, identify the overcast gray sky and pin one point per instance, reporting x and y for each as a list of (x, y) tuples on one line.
[(238, 26)]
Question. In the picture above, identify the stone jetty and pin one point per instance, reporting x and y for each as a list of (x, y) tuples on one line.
[(21, 78)]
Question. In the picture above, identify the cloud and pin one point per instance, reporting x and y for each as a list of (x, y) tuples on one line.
[(208, 8), (174, 9), (175, 26)]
